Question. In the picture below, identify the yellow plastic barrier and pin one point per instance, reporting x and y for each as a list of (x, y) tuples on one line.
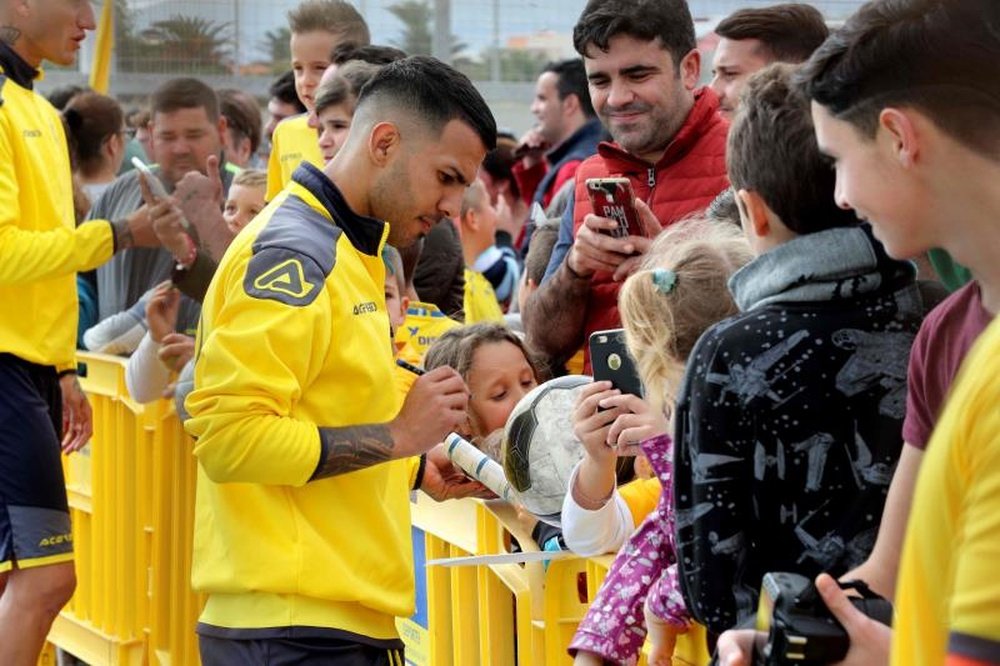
[(131, 497), (131, 493)]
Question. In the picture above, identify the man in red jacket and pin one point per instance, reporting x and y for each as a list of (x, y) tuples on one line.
[(669, 141)]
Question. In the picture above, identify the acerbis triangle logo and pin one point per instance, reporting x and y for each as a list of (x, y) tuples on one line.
[(286, 278)]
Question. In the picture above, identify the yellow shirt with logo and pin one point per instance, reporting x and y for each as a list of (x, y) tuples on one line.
[(948, 596), (424, 324), (292, 143), (480, 302), (40, 245), (293, 337)]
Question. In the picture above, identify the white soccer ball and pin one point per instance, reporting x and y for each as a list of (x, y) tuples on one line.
[(539, 449)]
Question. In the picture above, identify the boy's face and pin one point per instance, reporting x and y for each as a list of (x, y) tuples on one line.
[(872, 180), (395, 303), (310, 58), (242, 205), (334, 125)]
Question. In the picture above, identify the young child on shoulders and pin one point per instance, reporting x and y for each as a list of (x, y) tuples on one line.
[(680, 291)]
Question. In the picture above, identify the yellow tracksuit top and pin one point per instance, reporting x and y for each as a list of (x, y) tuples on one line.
[(293, 143), (41, 248), (295, 335)]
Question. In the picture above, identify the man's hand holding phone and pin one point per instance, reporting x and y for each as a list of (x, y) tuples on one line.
[(597, 249)]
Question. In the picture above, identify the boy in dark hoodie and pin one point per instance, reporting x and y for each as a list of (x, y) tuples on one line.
[(788, 426)]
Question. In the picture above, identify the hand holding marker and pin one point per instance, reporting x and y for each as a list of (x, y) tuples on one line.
[(473, 462)]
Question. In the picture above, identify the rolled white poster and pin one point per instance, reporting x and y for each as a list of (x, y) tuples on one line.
[(478, 465)]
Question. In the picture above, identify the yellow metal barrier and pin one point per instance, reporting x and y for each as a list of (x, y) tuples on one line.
[(131, 497), (131, 493)]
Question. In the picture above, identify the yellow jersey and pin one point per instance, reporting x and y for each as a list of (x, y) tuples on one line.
[(40, 245), (480, 302), (948, 596), (292, 143), (424, 324)]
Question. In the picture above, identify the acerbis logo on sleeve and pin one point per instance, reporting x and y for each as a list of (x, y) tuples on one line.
[(282, 275), (288, 278)]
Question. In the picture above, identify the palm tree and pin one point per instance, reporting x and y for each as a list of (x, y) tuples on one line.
[(275, 45), (417, 17), (190, 43)]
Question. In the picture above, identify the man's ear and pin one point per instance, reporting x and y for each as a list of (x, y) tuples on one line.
[(691, 69), (383, 143), (754, 213), (470, 219), (570, 104), (222, 125), (900, 134)]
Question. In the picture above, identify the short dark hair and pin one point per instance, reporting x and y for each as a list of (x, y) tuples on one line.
[(499, 164), (242, 115), (375, 54), (571, 79), (788, 32), (936, 56), (773, 152), (334, 16), (283, 89), (184, 93), (724, 208), (667, 20), (432, 92)]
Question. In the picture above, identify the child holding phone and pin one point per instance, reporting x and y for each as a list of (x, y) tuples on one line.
[(681, 291)]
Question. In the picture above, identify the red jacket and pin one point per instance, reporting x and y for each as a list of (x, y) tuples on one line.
[(689, 175)]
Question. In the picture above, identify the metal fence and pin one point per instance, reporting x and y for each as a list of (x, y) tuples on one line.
[(500, 43)]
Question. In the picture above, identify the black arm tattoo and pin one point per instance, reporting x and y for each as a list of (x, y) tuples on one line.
[(554, 315), (122, 235), (352, 448), (9, 34)]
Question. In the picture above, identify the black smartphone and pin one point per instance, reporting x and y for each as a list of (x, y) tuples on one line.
[(611, 361)]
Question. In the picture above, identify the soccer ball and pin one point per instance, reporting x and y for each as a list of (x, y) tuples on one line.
[(539, 449)]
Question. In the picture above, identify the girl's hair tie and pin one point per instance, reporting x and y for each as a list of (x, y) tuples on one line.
[(665, 280)]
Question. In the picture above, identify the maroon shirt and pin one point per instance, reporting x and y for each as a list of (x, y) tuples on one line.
[(944, 339)]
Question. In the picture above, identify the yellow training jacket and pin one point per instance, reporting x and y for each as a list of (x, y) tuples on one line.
[(41, 248), (293, 143), (295, 335)]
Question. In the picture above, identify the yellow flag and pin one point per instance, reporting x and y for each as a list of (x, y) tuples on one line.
[(100, 69)]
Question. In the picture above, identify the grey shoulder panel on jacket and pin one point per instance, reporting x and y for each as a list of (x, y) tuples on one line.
[(293, 255)]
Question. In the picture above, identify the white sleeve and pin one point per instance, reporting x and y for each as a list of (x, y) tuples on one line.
[(145, 377), (589, 533)]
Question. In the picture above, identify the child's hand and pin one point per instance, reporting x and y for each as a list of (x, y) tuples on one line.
[(591, 425), (161, 311), (637, 422), (176, 350)]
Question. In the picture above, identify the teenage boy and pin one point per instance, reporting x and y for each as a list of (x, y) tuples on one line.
[(905, 101), (788, 421)]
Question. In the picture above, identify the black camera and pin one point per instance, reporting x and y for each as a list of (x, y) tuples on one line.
[(799, 627)]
